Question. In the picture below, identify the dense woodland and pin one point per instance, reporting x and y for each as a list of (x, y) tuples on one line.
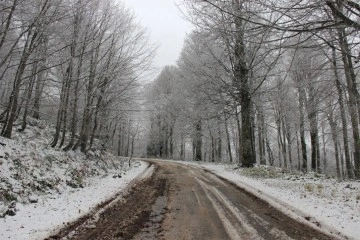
[(75, 63), (265, 81), (268, 82)]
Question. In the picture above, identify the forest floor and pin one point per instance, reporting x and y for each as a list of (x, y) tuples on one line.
[(188, 201)]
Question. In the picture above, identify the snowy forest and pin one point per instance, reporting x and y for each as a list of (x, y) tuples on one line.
[(257, 82), (74, 63), (268, 82)]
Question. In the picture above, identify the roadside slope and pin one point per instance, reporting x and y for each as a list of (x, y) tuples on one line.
[(43, 188)]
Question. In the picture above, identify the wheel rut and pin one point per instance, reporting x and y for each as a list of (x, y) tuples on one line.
[(123, 217)]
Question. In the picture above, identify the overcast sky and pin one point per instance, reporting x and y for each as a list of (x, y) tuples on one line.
[(166, 27)]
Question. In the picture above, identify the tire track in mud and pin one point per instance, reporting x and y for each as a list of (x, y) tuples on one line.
[(238, 213), (122, 218), (257, 219)]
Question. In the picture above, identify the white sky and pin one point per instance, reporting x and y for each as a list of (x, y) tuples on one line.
[(166, 27)]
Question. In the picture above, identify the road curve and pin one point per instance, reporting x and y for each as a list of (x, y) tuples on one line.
[(186, 202)]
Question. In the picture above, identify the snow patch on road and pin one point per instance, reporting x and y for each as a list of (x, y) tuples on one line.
[(245, 229), (147, 173)]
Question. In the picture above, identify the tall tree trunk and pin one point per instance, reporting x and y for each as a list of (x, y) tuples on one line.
[(171, 142), (29, 91), (281, 140), (342, 163), (312, 108), (76, 78), (298, 151), (228, 138), (94, 128), (127, 139), (193, 149), (13, 103), (242, 81), (270, 152), (354, 97), (165, 139), (40, 79), (98, 106), (352, 90), (39, 87), (261, 136), (334, 135), (182, 147), (66, 104), (302, 129), (85, 126), (211, 146), (284, 148), (219, 143), (342, 112), (119, 149), (75, 93), (324, 149), (198, 141), (280, 152), (289, 141), (247, 132), (8, 20), (161, 139), (239, 141), (59, 116), (314, 141)]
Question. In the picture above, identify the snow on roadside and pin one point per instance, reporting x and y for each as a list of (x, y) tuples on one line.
[(38, 220), (42, 188), (334, 204)]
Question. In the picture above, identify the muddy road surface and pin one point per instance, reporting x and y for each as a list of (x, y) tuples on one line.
[(186, 202)]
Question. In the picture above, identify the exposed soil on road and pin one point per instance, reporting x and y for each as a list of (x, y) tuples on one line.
[(121, 218), (186, 202)]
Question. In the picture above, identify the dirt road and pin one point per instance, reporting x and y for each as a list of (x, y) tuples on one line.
[(186, 202)]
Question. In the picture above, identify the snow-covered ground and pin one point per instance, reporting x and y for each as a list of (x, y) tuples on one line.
[(332, 204), (38, 220), (46, 188)]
